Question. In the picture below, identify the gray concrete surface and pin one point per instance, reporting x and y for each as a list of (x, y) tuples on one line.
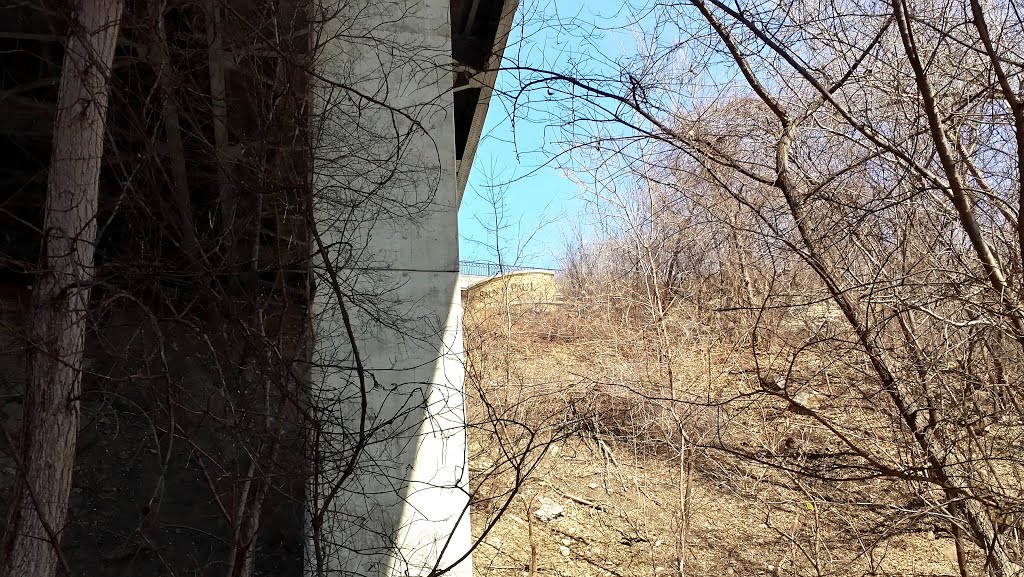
[(404, 510)]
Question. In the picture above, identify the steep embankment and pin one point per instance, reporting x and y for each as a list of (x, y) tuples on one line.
[(609, 492)]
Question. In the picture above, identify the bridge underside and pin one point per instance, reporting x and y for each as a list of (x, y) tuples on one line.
[(216, 162)]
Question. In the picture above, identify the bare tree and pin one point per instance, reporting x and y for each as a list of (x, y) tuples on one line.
[(869, 158), (61, 295)]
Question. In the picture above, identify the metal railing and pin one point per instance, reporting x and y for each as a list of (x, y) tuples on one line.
[(479, 268)]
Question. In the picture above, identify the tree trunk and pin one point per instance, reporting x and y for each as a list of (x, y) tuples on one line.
[(61, 296), (172, 128), (227, 196)]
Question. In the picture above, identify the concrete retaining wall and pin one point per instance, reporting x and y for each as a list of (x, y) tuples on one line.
[(517, 288)]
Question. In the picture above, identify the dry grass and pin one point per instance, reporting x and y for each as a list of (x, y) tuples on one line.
[(598, 393)]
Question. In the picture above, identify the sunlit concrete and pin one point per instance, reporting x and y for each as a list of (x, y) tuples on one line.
[(387, 208)]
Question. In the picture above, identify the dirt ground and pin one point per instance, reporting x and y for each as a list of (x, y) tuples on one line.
[(622, 521), (611, 505)]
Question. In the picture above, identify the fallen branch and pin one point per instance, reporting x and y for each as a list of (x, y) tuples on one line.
[(583, 502)]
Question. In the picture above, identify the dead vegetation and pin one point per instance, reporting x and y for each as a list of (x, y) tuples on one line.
[(795, 292), (729, 473)]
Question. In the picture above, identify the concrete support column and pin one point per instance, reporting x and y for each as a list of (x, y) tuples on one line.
[(388, 494)]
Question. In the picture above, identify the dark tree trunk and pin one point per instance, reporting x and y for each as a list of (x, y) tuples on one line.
[(61, 296)]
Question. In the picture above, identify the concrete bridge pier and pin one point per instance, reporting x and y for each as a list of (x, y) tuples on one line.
[(388, 495)]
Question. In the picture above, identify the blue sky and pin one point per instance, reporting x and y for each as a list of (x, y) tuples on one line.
[(534, 204), (538, 206)]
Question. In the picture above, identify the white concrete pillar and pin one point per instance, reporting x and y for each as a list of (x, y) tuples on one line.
[(387, 209)]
